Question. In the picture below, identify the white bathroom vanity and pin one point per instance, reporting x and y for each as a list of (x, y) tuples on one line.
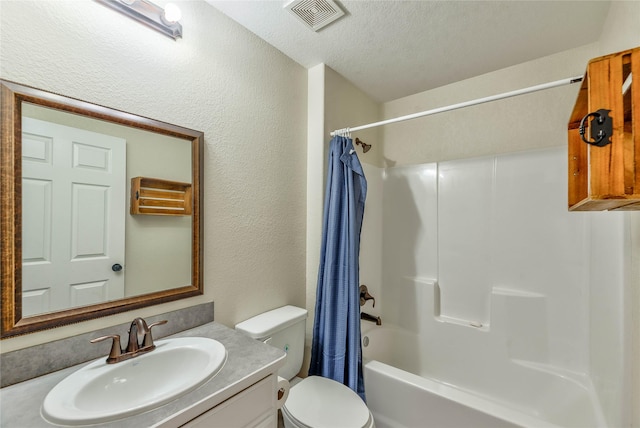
[(242, 394)]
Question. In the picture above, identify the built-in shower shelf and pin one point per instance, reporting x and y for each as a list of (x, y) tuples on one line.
[(516, 322), (480, 326), (153, 196)]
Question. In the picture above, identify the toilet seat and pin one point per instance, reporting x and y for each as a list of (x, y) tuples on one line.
[(318, 402)]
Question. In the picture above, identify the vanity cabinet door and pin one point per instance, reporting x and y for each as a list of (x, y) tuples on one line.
[(255, 407)]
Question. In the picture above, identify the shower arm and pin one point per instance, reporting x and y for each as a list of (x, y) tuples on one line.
[(365, 147)]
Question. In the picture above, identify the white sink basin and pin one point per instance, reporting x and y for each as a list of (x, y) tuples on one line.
[(101, 392)]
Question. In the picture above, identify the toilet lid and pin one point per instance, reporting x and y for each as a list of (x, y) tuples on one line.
[(320, 402)]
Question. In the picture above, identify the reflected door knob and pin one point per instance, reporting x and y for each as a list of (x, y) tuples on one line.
[(117, 267)]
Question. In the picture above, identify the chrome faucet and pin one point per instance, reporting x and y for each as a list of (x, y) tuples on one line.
[(140, 341)]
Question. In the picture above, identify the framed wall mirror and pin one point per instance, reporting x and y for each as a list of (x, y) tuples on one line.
[(100, 211)]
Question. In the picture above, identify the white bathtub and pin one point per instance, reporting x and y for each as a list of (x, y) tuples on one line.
[(401, 392)]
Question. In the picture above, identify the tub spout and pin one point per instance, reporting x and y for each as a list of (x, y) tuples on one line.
[(365, 316)]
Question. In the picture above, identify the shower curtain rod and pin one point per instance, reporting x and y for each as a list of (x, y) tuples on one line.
[(504, 95)]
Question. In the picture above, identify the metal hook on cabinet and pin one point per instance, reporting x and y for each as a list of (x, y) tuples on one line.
[(601, 128)]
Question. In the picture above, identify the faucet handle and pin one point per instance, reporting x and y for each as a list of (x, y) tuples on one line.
[(364, 296), (115, 352), (148, 339)]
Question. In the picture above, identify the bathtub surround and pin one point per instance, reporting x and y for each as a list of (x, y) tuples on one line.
[(486, 269)]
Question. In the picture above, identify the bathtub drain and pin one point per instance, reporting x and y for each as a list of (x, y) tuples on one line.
[(365, 341)]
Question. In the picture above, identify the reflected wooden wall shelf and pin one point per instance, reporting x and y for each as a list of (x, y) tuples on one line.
[(604, 173), (153, 196)]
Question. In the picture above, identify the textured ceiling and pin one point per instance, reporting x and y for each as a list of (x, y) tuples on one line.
[(391, 49)]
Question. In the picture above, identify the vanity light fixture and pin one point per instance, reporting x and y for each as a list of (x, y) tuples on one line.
[(163, 20)]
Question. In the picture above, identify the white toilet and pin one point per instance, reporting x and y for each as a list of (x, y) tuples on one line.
[(313, 402)]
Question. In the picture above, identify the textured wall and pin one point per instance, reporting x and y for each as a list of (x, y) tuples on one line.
[(248, 99), (529, 121), (348, 106)]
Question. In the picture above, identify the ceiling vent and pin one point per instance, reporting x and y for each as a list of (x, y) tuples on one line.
[(315, 14)]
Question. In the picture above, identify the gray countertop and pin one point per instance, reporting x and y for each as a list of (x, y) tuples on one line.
[(248, 361)]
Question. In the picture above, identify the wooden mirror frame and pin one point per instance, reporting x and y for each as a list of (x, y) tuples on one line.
[(12, 97)]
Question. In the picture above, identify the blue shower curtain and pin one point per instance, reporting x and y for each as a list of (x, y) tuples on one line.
[(336, 351)]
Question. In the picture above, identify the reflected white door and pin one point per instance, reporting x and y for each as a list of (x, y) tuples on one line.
[(73, 217)]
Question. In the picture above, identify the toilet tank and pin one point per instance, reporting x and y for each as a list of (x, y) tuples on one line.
[(283, 328)]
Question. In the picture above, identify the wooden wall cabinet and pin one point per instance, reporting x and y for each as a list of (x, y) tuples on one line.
[(607, 177), (153, 196)]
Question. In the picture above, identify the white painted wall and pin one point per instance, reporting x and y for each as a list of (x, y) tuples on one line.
[(246, 96)]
